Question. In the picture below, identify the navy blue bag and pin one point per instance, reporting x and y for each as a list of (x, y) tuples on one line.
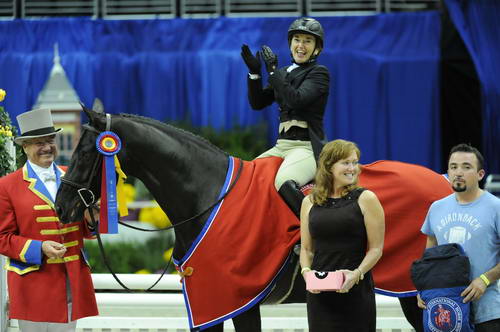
[(440, 276)]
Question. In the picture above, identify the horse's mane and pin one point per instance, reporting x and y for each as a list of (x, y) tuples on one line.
[(163, 126)]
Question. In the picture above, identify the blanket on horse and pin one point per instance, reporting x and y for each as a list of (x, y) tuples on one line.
[(245, 242), (406, 192)]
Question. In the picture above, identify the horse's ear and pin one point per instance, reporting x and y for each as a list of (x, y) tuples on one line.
[(93, 116), (98, 106)]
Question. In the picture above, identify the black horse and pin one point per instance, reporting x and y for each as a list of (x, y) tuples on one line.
[(160, 156), (185, 174)]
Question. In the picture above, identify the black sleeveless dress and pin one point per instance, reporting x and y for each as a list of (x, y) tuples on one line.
[(339, 236)]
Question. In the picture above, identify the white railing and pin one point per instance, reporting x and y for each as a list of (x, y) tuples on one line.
[(165, 312), (10, 148)]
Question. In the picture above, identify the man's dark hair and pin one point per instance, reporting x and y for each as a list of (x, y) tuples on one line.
[(463, 147)]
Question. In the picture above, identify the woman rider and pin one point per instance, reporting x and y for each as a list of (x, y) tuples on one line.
[(301, 91)]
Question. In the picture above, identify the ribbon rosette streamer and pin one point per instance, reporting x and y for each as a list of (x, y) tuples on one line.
[(112, 196)]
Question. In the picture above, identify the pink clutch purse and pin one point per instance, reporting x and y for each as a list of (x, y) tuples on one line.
[(324, 281)]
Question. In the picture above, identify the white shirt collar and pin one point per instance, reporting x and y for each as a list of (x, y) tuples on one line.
[(292, 67), (42, 170)]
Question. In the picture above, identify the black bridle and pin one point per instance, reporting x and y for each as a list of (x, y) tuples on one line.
[(88, 198), (86, 194)]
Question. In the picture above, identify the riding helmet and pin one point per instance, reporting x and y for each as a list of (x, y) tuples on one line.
[(308, 26)]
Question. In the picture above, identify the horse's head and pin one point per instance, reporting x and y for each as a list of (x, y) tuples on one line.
[(81, 184)]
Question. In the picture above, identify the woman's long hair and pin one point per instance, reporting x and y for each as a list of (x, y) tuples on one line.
[(331, 153)]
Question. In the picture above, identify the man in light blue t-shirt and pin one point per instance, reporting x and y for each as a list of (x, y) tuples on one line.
[(471, 217)]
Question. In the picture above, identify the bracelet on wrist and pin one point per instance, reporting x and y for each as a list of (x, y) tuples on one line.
[(485, 279), (361, 275), (304, 270)]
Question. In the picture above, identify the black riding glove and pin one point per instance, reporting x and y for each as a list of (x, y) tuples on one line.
[(270, 59), (252, 62)]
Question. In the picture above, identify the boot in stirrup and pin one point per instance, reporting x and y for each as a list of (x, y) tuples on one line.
[(291, 194)]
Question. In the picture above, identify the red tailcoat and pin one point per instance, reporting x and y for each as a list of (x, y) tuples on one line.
[(37, 284)]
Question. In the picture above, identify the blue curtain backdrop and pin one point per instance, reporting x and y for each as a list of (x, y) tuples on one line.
[(477, 23), (384, 92)]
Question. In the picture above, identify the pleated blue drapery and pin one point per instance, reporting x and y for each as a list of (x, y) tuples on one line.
[(384, 68), (477, 23)]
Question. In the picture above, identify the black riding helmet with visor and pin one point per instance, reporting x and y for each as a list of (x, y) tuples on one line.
[(308, 26)]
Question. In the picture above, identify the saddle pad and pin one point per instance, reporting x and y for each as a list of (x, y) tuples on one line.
[(241, 250), (406, 192)]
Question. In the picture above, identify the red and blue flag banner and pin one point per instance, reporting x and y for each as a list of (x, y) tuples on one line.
[(109, 144)]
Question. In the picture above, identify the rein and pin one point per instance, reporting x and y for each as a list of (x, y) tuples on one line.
[(88, 199)]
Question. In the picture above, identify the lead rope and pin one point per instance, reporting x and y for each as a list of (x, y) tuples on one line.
[(108, 266)]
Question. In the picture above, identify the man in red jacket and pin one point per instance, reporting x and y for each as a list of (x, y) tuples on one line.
[(48, 278)]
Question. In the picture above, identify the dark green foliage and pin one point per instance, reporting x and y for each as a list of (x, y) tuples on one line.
[(245, 143), (130, 257), (5, 159)]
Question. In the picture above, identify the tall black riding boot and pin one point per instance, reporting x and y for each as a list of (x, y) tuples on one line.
[(291, 194)]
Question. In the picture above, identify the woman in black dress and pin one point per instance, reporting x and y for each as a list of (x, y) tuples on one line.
[(342, 229)]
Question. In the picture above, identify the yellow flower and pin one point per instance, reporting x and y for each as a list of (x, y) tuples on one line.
[(145, 215), (129, 192), (143, 271), (154, 216), (2, 94), (168, 254), (6, 131)]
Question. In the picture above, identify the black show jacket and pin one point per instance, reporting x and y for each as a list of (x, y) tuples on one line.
[(301, 94)]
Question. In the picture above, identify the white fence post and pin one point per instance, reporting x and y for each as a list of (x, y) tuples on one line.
[(9, 145)]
